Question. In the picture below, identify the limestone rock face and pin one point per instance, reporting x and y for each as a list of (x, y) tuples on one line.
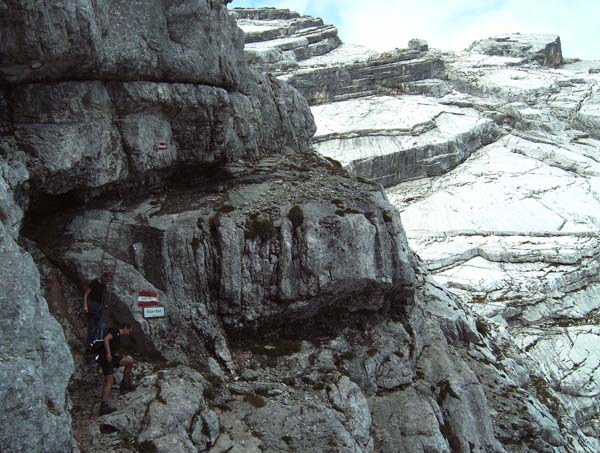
[(291, 37), (136, 138), (83, 136), (124, 89), (544, 49), (167, 412), (108, 97), (35, 362), (436, 403), (311, 57), (188, 42), (507, 219), (391, 140), (282, 242), (524, 251)]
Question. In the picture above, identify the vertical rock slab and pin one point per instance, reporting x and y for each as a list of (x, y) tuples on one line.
[(35, 363)]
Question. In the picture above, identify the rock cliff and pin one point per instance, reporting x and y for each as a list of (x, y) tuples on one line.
[(35, 362), (136, 137), (100, 100), (491, 159)]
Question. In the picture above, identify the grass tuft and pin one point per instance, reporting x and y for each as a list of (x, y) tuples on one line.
[(296, 216)]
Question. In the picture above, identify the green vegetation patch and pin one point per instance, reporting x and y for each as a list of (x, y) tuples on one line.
[(296, 216), (259, 227), (226, 209), (256, 400), (214, 222), (483, 327)]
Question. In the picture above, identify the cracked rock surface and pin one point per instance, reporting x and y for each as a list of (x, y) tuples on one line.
[(523, 251), (492, 159), (135, 137), (35, 361)]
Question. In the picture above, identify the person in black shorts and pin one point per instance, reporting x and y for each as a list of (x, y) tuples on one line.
[(108, 359), (93, 304)]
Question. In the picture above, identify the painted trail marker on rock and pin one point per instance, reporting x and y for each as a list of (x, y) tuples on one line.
[(147, 299), (162, 145)]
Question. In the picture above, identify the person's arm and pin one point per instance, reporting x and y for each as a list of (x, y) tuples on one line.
[(85, 299), (107, 339)]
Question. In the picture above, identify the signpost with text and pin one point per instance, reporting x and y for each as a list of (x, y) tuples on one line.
[(148, 302)]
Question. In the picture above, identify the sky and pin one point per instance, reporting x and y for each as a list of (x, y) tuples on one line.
[(452, 24)]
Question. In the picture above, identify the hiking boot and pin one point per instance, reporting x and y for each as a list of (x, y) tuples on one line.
[(106, 408), (127, 386)]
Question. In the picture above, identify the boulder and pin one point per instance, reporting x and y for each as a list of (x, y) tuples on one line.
[(167, 412), (418, 44), (543, 49)]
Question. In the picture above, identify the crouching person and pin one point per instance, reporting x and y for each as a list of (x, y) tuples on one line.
[(108, 359)]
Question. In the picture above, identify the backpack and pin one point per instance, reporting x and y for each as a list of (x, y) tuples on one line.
[(97, 343)]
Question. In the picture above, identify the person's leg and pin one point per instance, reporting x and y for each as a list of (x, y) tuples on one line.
[(107, 370), (127, 362), (108, 382), (126, 384)]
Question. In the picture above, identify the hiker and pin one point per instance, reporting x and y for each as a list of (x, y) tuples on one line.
[(107, 358), (93, 304)]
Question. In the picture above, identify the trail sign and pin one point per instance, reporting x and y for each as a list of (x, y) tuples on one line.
[(154, 312), (147, 299), (162, 145)]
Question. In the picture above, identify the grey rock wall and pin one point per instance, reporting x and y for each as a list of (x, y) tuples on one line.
[(288, 284), (310, 56), (35, 362), (128, 88), (80, 136), (385, 74), (425, 378), (183, 41), (509, 224), (90, 90), (283, 242)]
